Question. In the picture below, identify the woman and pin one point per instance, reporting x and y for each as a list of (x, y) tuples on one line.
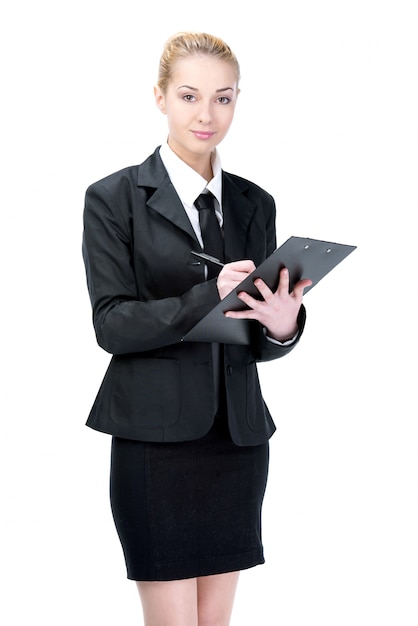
[(189, 426)]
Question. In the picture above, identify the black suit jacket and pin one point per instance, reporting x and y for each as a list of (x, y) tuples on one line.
[(147, 291)]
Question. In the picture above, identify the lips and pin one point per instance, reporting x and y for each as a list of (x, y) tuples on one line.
[(202, 135)]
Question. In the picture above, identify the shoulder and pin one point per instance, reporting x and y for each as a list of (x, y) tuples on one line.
[(113, 181), (114, 197), (247, 187), (146, 173)]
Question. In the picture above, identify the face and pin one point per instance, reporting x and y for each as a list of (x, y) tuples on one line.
[(199, 104)]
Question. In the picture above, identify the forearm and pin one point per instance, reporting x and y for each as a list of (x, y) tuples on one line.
[(134, 326)]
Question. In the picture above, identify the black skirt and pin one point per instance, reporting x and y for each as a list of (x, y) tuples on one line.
[(188, 509)]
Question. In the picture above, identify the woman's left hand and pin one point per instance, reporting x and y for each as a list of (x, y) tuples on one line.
[(277, 311)]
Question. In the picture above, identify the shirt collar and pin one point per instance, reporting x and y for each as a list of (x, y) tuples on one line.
[(186, 181)]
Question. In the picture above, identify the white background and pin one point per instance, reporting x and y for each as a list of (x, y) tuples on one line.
[(327, 122)]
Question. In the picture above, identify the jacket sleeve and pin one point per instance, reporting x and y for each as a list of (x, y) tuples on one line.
[(123, 321)]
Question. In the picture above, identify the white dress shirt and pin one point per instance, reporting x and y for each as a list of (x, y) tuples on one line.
[(189, 185)]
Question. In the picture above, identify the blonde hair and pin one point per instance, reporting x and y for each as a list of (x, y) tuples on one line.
[(185, 44)]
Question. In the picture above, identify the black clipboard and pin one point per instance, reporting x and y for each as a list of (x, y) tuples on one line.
[(304, 258)]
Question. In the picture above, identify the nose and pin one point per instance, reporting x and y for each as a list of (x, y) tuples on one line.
[(204, 114)]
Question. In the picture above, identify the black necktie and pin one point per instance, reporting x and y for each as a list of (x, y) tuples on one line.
[(211, 231), (213, 244)]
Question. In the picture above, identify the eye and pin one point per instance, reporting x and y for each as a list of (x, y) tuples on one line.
[(188, 97), (224, 100)]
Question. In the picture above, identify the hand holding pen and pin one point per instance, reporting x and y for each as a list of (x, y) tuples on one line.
[(277, 311), (231, 275)]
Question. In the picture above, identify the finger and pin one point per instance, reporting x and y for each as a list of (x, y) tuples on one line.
[(284, 280), (264, 289), (232, 275), (248, 300), (248, 314), (246, 265), (300, 286)]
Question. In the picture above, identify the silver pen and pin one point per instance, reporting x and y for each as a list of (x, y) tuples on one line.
[(207, 257)]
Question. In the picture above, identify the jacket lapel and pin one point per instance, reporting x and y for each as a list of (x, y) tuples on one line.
[(164, 200), (238, 212)]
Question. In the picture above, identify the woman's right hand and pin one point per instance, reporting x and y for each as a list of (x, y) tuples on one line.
[(232, 274)]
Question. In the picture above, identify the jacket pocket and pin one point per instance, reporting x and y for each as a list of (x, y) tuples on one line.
[(145, 392)]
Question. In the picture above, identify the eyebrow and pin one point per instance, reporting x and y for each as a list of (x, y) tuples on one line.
[(196, 89)]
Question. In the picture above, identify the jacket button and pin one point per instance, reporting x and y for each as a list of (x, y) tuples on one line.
[(229, 370)]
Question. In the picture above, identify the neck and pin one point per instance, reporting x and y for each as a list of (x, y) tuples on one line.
[(200, 163)]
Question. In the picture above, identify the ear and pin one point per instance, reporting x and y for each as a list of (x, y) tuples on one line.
[(159, 99)]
